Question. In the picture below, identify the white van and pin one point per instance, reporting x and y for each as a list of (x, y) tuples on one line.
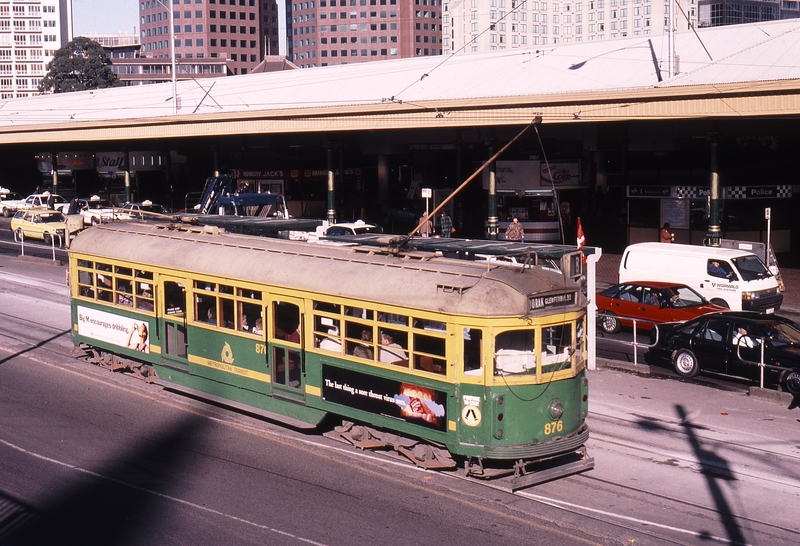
[(729, 277)]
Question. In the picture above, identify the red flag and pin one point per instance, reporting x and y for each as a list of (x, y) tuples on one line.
[(581, 241)]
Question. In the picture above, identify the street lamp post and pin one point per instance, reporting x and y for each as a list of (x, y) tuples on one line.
[(172, 55)]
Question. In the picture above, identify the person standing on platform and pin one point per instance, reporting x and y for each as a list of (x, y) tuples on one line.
[(666, 235), (447, 225), (515, 231), (427, 227)]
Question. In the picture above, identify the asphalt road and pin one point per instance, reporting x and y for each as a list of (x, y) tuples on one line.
[(90, 457)]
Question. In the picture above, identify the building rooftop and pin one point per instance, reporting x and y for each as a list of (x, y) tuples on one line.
[(578, 74)]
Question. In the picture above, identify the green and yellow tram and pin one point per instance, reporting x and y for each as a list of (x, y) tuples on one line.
[(485, 361)]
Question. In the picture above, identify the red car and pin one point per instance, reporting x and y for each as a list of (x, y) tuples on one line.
[(650, 303)]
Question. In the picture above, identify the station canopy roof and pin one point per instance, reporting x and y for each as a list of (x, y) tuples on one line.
[(719, 73)]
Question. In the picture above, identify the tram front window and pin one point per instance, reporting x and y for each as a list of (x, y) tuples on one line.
[(557, 348), (514, 352)]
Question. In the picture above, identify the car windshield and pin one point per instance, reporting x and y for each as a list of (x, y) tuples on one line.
[(780, 333), (682, 296), (751, 268), (50, 218), (11, 196)]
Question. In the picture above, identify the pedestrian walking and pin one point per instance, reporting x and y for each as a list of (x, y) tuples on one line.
[(447, 225)]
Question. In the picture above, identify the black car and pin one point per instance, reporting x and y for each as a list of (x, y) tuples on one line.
[(730, 343)]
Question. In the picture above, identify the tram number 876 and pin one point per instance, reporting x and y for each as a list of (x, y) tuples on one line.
[(553, 427)]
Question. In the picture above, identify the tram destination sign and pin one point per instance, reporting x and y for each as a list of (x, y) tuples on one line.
[(554, 300)]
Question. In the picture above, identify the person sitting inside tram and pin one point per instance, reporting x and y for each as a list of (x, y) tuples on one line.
[(363, 350), (331, 343), (390, 351)]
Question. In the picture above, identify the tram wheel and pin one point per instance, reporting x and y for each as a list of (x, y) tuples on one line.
[(685, 363), (610, 324)]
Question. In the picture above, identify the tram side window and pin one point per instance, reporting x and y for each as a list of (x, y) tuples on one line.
[(429, 353), (514, 352), (174, 299), (251, 317), (393, 318), (287, 321), (557, 347), (393, 347), (327, 334), (105, 281), (360, 340), (86, 282), (124, 292), (472, 351), (144, 296), (205, 308), (359, 312), (144, 290), (226, 318)]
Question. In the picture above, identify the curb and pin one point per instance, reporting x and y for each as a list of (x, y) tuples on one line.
[(782, 398)]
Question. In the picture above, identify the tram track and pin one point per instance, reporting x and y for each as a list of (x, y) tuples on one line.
[(778, 471)]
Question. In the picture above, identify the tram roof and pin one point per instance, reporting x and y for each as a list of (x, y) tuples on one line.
[(464, 248), (414, 282), (721, 70)]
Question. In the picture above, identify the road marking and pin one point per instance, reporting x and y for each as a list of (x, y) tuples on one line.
[(161, 495)]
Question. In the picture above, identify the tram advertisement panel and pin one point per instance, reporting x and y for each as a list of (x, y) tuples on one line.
[(399, 399), (122, 331)]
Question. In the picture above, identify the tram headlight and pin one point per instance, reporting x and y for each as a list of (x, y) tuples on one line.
[(556, 409)]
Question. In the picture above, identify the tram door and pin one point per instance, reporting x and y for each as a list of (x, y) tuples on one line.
[(286, 350), (173, 316)]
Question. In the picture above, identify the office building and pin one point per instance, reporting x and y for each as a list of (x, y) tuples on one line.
[(714, 13), (487, 25), (243, 32), (30, 33), (329, 32)]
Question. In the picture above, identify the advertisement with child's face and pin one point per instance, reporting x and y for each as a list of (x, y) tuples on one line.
[(122, 331)]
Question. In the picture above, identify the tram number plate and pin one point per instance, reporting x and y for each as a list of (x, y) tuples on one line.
[(553, 427)]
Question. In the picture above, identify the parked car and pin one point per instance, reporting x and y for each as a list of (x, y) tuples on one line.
[(39, 200), (10, 202), (649, 303), (42, 224), (146, 210), (96, 210), (358, 227), (730, 343)]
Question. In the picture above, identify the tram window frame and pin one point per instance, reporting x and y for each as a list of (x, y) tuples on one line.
[(114, 284), (429, 353), (327, 326), (516, 352), (359, 312), (554, 348), (354, 340), (472, 352), (399, 337)]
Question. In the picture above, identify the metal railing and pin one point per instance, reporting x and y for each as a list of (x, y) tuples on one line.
[(19, 237), (635, 343)]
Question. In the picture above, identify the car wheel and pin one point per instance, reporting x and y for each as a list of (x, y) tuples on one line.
[(609, 323), (20, 234), (95, 221), (721, 303), (685, 363), (790, 382), (6, 213), (48, 240)]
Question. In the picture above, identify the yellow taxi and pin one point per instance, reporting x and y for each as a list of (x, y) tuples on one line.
[(45, 224)]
